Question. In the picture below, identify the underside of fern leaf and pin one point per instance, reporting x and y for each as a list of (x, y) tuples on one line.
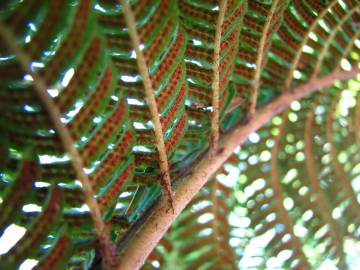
[(100, 112)]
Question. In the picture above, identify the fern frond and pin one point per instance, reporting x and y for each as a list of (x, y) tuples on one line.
[(163, 49), (112, 108)]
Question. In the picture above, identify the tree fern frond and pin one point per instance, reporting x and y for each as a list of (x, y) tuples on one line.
[(56, 259), (273, 19), (305, 195), (13, 200), (199, 21), (346, 16), (143, 70), (163, 48), (211, 74), (36, 233), (312, 172), (65, 137), (192, 180), (303, 217)]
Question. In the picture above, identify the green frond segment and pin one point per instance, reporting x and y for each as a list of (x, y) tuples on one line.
[(307, 27), (12, 199), (163, 43), (198, 19), (255, 23), (68, 51)]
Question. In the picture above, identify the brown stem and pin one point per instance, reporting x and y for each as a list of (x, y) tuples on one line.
[(296, 59), (334, 32), (356, 122), (260, 59), (146, 235), (313, 174), (214, 209), (348, 48), (40, 87), (337, 73), (143, 70), (275, 183), (214, 137), (340, 173)]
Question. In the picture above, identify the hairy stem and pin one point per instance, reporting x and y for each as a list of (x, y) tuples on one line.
[(346, 51), (295, 61), (313, 173), (260, 59), (329, 40), (143, 70), (40, 87), (145, 235), (216, 77), (275, 183), (340, 173)]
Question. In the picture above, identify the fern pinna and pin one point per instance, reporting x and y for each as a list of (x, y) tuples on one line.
[(85, 153)]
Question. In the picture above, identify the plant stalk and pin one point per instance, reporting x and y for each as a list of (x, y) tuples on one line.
[(63, 132), (150, 98), (214, 136), (143, 238)]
